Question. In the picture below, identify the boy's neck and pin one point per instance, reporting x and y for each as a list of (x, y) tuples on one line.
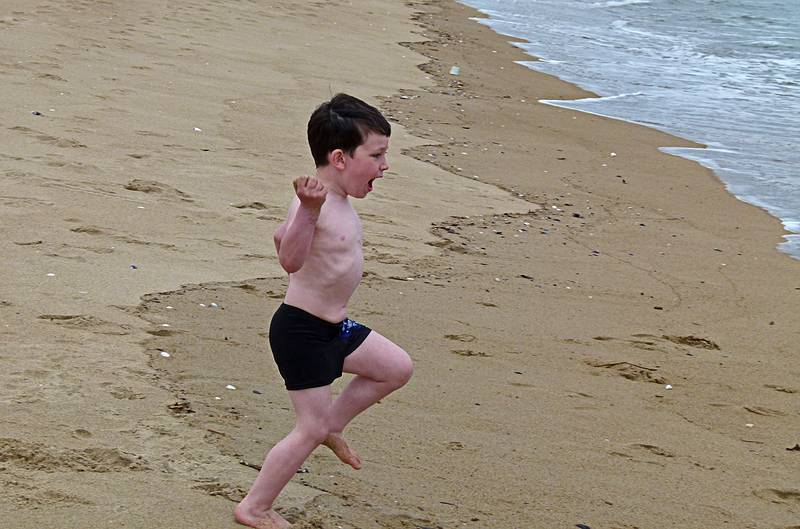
[(329, 176)]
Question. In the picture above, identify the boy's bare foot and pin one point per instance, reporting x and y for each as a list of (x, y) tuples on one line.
[(268, 520), (336, 442)]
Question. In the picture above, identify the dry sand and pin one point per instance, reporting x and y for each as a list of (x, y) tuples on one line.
[(547, 290)]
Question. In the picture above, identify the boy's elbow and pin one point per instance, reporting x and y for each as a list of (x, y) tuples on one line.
[(290, 265)]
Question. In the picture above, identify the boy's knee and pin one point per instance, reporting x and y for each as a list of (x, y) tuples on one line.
[(315, 433), (403, 371)]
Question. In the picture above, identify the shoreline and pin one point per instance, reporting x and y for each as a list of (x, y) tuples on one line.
[(785, 244), (546, 312)]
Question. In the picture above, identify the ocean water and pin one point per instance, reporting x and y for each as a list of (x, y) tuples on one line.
[(724, 73)]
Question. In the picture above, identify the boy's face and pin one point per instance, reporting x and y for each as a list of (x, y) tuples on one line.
[(366, 165)]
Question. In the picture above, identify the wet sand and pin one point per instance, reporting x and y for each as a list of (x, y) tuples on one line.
[(548, 291)]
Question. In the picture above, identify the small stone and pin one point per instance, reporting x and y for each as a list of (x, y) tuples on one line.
[(230, 386), (164, 354), (36, 113), (668, 386)]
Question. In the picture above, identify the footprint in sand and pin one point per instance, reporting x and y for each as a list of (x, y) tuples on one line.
[(150, 133), (460, 337), (180, 407), (765, 412), (469, 352), (51, 77), (254, 257), (781, 389), (648, 450), (779, 496), (127, 238), (88, 323), (234, 493), (631, 371), (123, 393), (48, 458), (154, 187), (251, 205), (693, 341), (19, 494), (650, 342), (653, 449), (64, 143)]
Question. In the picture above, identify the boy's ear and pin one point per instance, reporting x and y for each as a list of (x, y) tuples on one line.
[(337, 159)]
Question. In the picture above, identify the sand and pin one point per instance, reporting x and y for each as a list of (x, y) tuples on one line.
[(549, 292)]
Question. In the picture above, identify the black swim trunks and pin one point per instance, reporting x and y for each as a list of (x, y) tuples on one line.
[(310, 351)]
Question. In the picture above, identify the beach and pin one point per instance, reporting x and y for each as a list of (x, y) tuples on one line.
[(602, 334)]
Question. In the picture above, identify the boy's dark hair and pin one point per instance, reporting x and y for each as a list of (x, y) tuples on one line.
[(343, 123)]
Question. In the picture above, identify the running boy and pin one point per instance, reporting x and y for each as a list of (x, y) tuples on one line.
[(312, 339)]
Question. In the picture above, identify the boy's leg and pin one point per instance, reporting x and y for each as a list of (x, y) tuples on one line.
[(312, 410), (380, 367)]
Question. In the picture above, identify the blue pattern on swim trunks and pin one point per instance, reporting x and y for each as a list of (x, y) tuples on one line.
[(348, 326)]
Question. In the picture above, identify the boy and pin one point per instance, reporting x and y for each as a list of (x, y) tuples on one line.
[(312, 339)]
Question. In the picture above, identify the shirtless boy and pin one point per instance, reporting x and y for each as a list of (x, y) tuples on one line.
[(311, 337)]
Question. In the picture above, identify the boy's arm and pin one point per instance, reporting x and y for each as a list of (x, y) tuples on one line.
[(293, 238)]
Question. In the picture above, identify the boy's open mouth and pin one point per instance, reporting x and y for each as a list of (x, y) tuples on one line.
[(370, 184)]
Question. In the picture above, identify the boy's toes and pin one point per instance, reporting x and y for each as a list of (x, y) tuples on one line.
[(345, 454)]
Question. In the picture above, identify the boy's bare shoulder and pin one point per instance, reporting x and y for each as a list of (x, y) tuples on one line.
[(339, 213)]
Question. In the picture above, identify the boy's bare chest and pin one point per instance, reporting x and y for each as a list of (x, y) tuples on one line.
[(338, 230)]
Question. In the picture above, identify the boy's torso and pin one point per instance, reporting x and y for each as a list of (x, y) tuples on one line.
[(333, 268)]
